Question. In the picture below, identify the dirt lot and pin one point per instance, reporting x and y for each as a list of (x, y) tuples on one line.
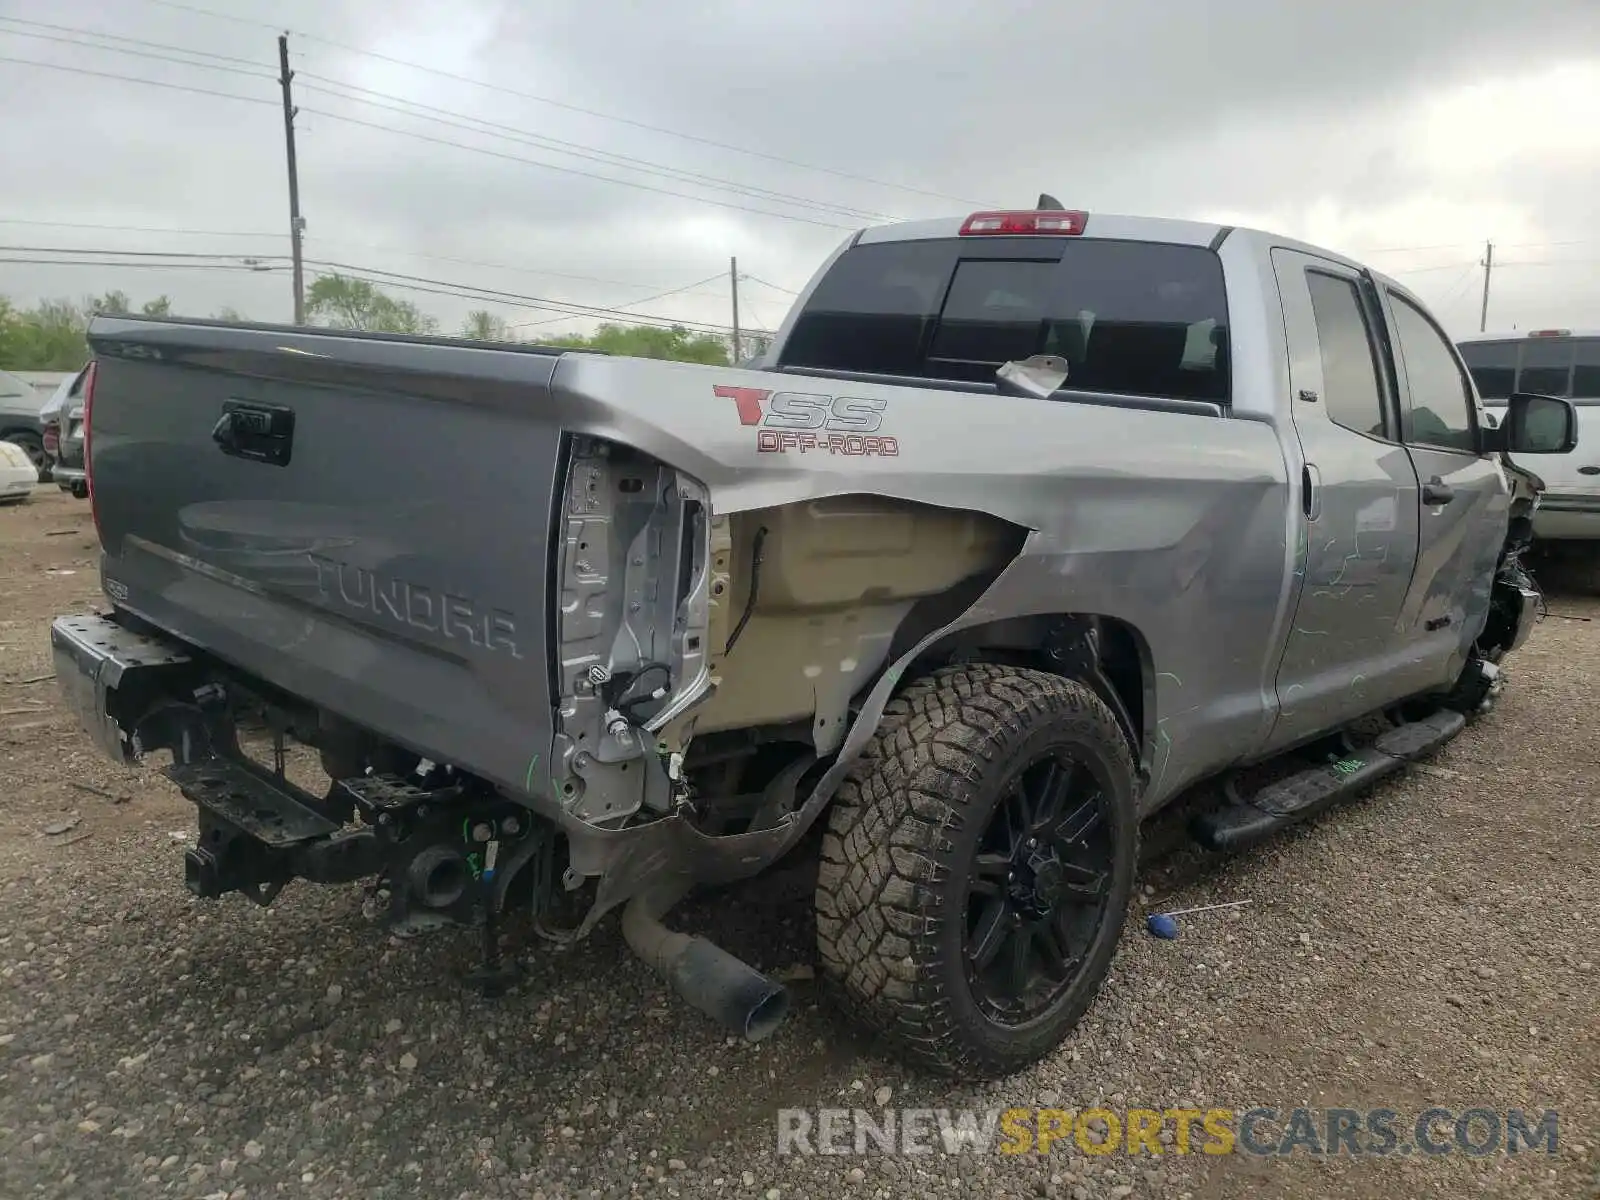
[(1427, 945)]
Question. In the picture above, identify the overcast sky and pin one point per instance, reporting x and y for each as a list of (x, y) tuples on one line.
[(1406, 134)]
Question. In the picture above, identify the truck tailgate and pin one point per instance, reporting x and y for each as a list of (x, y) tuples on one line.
[(364, 521)]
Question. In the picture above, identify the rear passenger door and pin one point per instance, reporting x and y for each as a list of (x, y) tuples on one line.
[(1464, 499), (1345, 654)]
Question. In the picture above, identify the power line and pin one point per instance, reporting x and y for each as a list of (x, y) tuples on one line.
[(576, 149), (148, 266), (1450, 266), (588, 112), (633, 285), (473, 292), (1461, 245), (1542, 245), (533, 162), (206, 12), (688, 287), (1546, 262), (127, 253), (1458, 288), (1414, 249), (122, 37), (252, 263), (151, 54), (655, 322), (775, 287), (143, 48), (177, 232), (176, 87)]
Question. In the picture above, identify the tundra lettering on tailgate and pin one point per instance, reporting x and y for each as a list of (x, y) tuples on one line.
[(807, 421), (417, 606)]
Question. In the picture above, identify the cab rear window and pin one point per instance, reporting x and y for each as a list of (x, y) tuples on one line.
[(1131, 318)]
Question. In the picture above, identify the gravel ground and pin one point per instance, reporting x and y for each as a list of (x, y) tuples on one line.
[(1424, 945)]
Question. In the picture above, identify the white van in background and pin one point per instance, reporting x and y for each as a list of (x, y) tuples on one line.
[(1552, 362)]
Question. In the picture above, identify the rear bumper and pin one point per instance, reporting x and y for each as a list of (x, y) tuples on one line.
[(93, 658), (118, 683), (69, 479)]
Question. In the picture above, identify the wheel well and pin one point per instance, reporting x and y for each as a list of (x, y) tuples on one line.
[(1106, 653), (16, 429)]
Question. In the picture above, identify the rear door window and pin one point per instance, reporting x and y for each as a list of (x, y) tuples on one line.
[(1349, 359), (1133, 318)]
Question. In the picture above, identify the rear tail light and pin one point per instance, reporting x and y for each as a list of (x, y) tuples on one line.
[(52, 438), (89, 375), (1048, 222), (1551, 333)]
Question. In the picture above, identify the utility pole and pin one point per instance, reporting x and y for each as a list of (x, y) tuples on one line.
[(733, 276), (1488, 269), (296, 223)]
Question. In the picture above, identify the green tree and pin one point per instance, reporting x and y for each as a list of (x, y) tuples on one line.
[(484, 326), (113, 303), (651, 341), (227, 313), (50, 336), (341, 302)]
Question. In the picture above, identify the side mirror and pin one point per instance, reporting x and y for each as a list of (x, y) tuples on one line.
[(1535, 424)]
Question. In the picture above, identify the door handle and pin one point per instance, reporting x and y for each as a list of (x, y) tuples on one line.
[(1310, 492), (1437, 491)]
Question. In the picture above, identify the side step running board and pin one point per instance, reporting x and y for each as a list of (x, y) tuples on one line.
[(1291, 800)]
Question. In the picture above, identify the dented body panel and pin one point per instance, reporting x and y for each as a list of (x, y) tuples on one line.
[(567, 574)]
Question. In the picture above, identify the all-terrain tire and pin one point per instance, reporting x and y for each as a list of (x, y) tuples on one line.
[(899, 851)]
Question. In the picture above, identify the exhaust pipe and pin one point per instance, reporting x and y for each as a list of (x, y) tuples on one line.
[(732, 993)]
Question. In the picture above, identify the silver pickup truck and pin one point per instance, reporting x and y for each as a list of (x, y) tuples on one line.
[(1028, 522)]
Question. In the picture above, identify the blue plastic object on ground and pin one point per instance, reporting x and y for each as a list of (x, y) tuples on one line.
[(1162, 926)]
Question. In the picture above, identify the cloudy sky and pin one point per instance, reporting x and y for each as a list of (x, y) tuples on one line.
[(460, 144)]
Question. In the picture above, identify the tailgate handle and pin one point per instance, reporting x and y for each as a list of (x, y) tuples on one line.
[(259, 432)]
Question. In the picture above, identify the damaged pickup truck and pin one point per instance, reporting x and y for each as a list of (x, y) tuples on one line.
[(1027, 523)]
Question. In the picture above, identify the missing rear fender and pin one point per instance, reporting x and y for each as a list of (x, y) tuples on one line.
[(639, 567), (679, 627)]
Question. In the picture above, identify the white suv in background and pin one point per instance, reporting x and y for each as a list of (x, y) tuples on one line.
[(1552, 362)]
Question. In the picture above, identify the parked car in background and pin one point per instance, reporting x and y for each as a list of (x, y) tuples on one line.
[(17, 474), (19, 420), (1564, 363), (62, 421)]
